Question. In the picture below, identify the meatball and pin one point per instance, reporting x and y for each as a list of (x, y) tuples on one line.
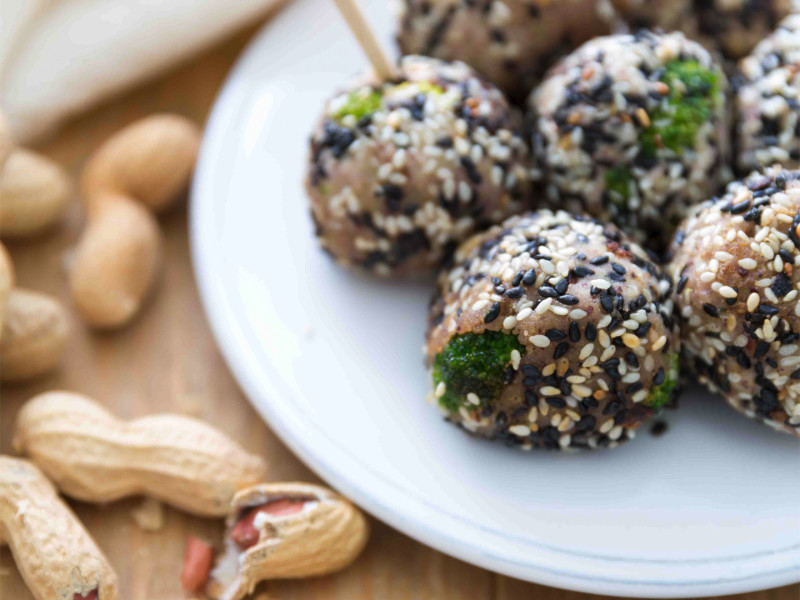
[(633, 129), (509, 42), (736, 26), (400, 171), (768, 101), (552, 331), (734, 262)]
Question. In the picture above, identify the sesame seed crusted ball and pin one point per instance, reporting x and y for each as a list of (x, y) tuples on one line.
[(734, 260), (510, 42), (552, 331), (768, 101), (633, 129), (736, 26), (400, 171)]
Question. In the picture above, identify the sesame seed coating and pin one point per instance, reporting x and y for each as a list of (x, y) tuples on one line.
[(768, 101), (633, 129), (400, 171), (584, 377), (510, 42), (738, 307)]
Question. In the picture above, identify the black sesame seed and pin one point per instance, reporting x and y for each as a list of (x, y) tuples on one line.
[(591, 332), (517, 278), (619, 268), (631, 359), (574, 332), (606, 303), (529, 278), (786, 256), (766, 309), (561, 286), (681, 283), (556, 402), (711, 310), (740, 207), (761, 349), (582, 271), (515, 292), (531, 371), (548, 291), (568, 299), (781, 285), (494, 312), (659, 428), (659, 377), (586, 423), (561, 350), (600, 260), (554, 335), (795, 374), (743, 360)]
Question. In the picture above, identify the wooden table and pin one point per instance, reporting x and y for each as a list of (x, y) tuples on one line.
[(167, 361)]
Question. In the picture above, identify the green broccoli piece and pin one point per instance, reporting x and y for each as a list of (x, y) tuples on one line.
[(473, 363), (694, 91), (618, 181), (360, 103), (661, 395)]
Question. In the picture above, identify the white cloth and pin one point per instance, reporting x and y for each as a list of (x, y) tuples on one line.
[(58, 57)]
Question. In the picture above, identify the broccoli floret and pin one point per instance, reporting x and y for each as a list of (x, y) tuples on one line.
[(474, 363), (661, 395), (618, 181), (694, 91), (360, 103)]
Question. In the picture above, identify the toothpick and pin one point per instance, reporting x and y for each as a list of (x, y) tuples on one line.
[(351, 12)]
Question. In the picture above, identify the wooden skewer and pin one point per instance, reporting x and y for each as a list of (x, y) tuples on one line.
[(351, 12)]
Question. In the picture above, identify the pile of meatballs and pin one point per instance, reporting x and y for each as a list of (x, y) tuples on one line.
[(610, 192)]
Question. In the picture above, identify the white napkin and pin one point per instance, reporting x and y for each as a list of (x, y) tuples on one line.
[(58, 57)]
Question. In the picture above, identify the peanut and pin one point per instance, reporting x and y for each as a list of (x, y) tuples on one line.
[(286, 530), (56, 556), (34, 192), (141, 169), (33, 329), (95, 457)]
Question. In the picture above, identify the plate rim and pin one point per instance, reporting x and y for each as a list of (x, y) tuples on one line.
[(221, 322)]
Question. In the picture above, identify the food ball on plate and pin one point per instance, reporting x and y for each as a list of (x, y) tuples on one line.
[(736, 26), (736, 261), (552, 331), (510, 42), (400, 171), (633, 129), (768, 101)]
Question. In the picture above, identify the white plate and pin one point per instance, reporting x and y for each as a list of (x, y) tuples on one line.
[(332, 360)]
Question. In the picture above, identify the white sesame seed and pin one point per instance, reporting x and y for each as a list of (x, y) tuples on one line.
[(509, 322), (515, 358), (577, 314), (753, 301), (441, 388), (586, 351), (659, 343), (748, 263), (524, 313), (473, 398), (601, 284), (520, 430), (541, 341), (549, 390), (727, 292)]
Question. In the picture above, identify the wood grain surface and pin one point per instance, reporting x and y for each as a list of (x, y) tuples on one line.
[(167, 361)]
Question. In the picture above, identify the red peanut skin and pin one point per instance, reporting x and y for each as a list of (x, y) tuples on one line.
[(246, 535), (197, 565)]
